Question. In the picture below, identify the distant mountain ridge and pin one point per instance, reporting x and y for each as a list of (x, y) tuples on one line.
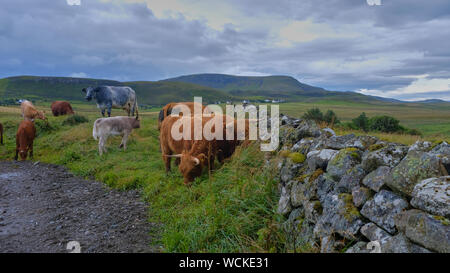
[(232, 83), (67, 88), (211, 87)]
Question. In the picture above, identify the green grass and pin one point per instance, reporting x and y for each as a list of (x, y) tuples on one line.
[(226, 212), (432, 120), (233, 210)]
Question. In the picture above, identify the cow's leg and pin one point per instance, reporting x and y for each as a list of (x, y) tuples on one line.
[(31, 150), (166, 159), (103, 112), (100, 148), (105, 139), (17, 154), (101, 145), (124, 141), (109, 106)]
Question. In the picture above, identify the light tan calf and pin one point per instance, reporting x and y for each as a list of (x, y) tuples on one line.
[(29, 112), (105, 127)]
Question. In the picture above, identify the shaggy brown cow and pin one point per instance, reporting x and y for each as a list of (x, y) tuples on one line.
[(170, 107), (60, 108), (29, 112), (24, 139), (1, 134), (193, 155)]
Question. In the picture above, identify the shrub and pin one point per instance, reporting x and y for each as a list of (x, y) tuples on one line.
[(385, 124), (74, 120), (43, 126), (361, 122), (314, 114), (330, 117)]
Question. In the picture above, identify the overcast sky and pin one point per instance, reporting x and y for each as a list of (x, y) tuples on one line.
[(400, 49)]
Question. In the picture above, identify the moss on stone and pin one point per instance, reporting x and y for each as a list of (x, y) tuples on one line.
[(285, 153), (316, 174), (375, 147), (302, 178), (297, 158), (442, 219), (350, 211)]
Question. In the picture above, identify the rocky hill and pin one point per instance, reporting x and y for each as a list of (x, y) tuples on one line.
[(339, 193)]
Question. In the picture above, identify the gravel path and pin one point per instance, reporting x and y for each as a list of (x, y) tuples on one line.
[(43, 207)]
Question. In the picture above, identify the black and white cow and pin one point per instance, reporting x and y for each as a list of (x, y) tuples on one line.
[(107, 97)]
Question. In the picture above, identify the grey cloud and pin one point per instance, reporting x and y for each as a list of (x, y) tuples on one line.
[(128, 42)]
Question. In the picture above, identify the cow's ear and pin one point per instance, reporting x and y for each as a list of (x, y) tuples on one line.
[(202, 157)]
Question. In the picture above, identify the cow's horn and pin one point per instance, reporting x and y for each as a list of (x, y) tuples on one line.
[(177, 156), (196, 160)]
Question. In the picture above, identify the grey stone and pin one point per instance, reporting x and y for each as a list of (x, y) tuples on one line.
[(338, 142), (359, 247), (443, 152), (433, 195), (313, 210), (351, 179), (415, 167), (302, 146), (376, 179), (284, 204), (361, 142), (305, 190), (382, 208), (328, 244), (360, 196), (342, 162), (328, 132), (339, 216), (307, 128), (320, 158), (374, 233), (430, 231), (325, 185), (400, 244), (390, 155), (420, 146), (289, 170)]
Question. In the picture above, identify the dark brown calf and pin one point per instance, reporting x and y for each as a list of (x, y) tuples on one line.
[(60, 108), (24, 139)]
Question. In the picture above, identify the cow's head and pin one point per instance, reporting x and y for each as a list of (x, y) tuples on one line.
[(23, 154), (41, 115), (190, 166), (90, 92), (136, 122)]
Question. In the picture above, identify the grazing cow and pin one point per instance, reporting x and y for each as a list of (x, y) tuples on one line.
[(105, 127), (24, 139), (60, 108), (29, 112), (1, 134), (170, 146), (193, 155), (174, 107), (107, 97)]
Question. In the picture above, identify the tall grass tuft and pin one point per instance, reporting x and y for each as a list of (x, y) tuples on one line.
[(74, 120)]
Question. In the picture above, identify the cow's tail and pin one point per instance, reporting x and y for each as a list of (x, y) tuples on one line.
[(94, 130)]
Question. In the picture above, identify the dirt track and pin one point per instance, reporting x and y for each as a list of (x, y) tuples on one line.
[(43, 207)]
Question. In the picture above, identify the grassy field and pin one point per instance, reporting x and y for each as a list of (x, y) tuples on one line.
[(432, 120), (233, 210)]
